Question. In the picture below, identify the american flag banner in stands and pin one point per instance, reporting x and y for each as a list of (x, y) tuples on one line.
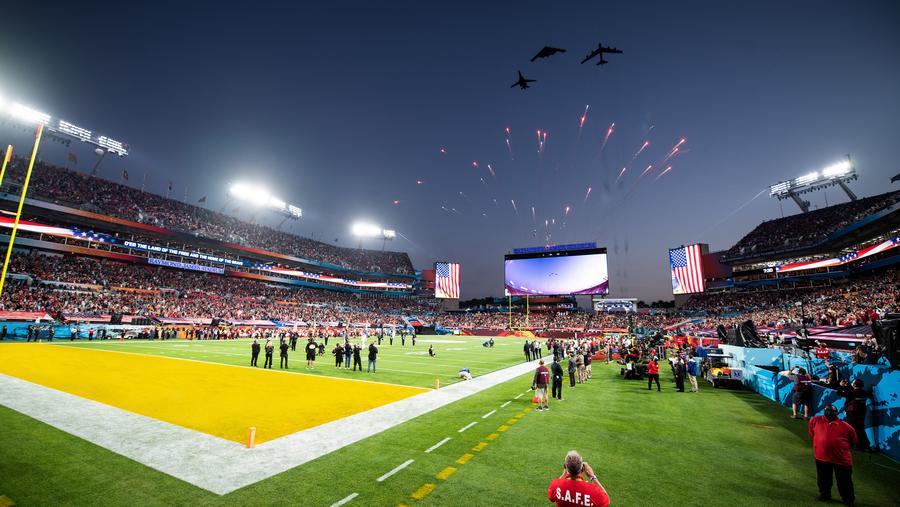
[(446, 280), (687, 270)]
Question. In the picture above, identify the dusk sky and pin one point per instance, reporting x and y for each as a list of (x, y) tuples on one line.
[(340, 107)]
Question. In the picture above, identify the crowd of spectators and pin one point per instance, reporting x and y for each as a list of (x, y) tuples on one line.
[(60, 185), (805, 229)]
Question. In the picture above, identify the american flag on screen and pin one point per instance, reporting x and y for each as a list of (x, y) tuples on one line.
[(687, 270), (446, 280)]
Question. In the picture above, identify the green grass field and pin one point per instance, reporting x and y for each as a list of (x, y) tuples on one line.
[(716, 447)]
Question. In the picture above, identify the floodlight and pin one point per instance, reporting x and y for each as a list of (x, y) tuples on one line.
[(837, 170), (74, 130), (806, 179), (29, 115), (365, 230), (277, 203), (389, 234)]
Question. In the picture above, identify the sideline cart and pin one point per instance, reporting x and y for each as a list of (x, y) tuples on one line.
[(719, 373)]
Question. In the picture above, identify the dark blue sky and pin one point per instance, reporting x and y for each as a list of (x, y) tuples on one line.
[(340, 107)]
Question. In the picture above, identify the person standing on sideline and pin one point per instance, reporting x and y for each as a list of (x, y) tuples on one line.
[(577, 486), (3, 332), (802, 392), (832, 439), (678, 370), (527, 350), (254, 353), (579, 362), (693, 369), (373, 356), (572, 368), (338, 355), (348, 355), (556, 374), (311, 349), (270, 351), (283, 354), (293, 342), (855, 408), (653, 374), (539, 385), (357, 359)]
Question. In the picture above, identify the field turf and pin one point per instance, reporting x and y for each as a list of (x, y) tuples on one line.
[(713, 448)]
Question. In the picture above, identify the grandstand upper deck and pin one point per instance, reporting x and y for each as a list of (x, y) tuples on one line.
[(828, 227), (59, 185)]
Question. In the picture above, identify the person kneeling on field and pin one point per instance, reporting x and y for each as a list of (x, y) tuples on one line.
[(578, 485), (465, 374)]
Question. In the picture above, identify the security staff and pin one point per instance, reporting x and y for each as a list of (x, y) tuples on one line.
[(527, 349), (283, 355), (556, 377), (254, 353), (270, 350), (293, 342)]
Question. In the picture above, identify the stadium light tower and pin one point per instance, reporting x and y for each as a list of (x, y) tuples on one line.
[(838, 174), (260, 197), (363, 230)]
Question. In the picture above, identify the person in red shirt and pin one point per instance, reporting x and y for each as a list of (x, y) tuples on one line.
[(577, 486), (539, 384), (822, 351), (832, 439), (653, 374)]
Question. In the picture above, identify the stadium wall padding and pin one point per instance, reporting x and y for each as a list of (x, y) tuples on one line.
[(882, 416)]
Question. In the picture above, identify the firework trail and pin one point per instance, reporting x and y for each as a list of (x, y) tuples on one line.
[(443, 150), (482, 181), (514, 206), (582, 120), (665, 171), (587, 194), (621, 173), (509, 143), (475, 164), (396, 202), (739, 208), (491, 169), (649, 167), (420, 182), (496, 204), (466, 197), (640, 150), (533, 217), (567, 210), (675, 149), (609, 132)]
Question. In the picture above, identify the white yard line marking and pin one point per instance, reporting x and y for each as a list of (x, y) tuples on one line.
[(505, 404), (435, 446), (344, 500), (519, 396), (464, 428), (212, 463), (492, 412), (392, 472)]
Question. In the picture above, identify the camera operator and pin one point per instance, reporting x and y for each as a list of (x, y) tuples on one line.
[(577, 486)]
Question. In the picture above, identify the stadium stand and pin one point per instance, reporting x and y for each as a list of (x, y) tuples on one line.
[(62, 186), (804, 230)]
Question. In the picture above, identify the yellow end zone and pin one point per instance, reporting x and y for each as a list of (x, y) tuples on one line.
[(220, 400)]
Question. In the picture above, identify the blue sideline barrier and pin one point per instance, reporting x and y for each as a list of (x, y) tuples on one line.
[(883, 415)]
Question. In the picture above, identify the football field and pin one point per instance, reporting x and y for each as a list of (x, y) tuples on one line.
[(716, 447)]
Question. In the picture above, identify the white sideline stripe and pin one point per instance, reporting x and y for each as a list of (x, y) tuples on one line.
[(435, 446), (519, 396), (464, 428), (505, 404), (492, 412), (212, 463), (344, 500), (392, 472)]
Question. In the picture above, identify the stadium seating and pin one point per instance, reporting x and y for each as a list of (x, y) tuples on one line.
[(806, 229), (59, 185)]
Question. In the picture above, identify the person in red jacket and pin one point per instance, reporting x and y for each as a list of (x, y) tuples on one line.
[(653, 374), (577, 486), (832, 439)]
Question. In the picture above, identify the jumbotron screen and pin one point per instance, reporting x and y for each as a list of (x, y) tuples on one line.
[(557, 273)]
